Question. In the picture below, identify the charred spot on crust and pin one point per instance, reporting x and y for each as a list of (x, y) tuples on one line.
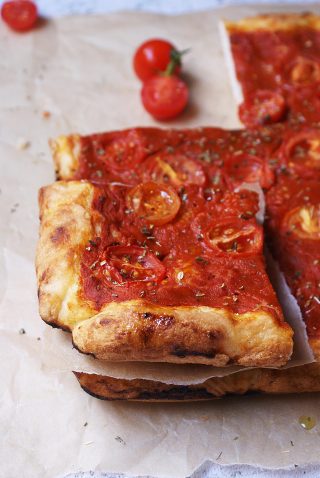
[(182, 353), (54, 325), (100, 397), (215, 334), (179, 392), (163, 321), (59, 235), (152, 323)]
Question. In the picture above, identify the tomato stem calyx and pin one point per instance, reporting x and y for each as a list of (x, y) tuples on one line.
[(175, 60)]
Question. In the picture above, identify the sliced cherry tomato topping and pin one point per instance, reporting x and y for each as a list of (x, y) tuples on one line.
[(263, 107), (153, 57), (246, 168), (158, 204), (305, 72), (174, 169), (234, 236), (303, 221), (303, 150), (164, 97), (129, 264), (123, 151), (304, 101), (20, 15)]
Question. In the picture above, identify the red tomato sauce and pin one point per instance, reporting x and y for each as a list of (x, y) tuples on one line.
[(202, 156), (286, 62), (293, 227), (185, 270), (180, 266)]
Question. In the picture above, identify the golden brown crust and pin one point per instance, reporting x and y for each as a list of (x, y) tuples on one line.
[(315, 345), (301, 379), (65, 151), (272, 22), (136, 330), (65, 227), (140, 331)]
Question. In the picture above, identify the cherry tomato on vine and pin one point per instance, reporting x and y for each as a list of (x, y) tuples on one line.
[(153, 57), (20, 15), (164, 97)]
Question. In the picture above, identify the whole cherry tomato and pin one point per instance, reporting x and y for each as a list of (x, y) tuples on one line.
[(20, 15), (153, 57), (164, 97)]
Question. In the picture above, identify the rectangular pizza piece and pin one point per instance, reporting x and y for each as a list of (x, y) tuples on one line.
[(293, 226), (301, 379), (274, 60), (156, 273)]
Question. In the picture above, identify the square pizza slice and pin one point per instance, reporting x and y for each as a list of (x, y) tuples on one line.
[(155, 273), (274, 63)]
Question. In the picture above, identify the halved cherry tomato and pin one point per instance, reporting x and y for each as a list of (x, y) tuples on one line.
[(246, 168), (20, 15), (123, 151), (175, 169), (262, 107), (164, 97), (129, 264), (304, 71), (153, 57), (234, 236), (302, 151), (303, 221), (158, 204)]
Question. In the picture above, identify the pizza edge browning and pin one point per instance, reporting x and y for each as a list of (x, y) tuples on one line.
[(64, 226), (272, 22), (301, 379), (140, 331), (136, 330), (65, 152)]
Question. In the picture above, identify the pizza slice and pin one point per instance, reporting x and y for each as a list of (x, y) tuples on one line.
[(301, 379), (293, 226), (274, 63), (154, 273)]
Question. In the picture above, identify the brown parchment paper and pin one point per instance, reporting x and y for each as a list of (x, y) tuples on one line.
[(79, 70)]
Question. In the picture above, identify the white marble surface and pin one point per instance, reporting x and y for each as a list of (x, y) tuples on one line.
[(69, 7)]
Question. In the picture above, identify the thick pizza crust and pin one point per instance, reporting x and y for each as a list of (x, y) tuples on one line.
[(273, 22), (295, 380), (65, 227), (138, 330)]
